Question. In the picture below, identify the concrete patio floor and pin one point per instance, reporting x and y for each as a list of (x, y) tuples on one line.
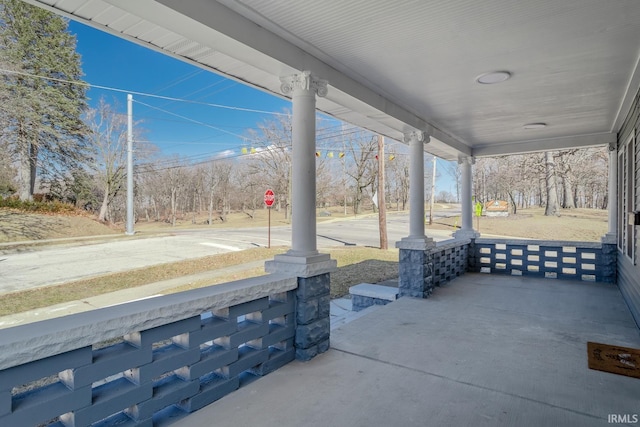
[(485, 350)]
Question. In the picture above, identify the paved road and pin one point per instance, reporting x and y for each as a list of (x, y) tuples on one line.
[(53, 265)]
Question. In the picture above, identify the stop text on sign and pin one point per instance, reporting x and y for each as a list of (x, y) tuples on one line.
[(269, 198)]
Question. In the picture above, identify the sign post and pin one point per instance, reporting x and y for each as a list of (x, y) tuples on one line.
[(269, 198)]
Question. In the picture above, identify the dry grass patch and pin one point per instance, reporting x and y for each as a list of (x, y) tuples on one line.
[(587, 225), (355, 265), (18, 226), (362, 265), (17, 302)]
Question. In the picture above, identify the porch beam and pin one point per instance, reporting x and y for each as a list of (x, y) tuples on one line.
[(536, 145)]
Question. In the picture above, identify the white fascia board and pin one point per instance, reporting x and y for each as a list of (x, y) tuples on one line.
[(551, 144), (627, 99)]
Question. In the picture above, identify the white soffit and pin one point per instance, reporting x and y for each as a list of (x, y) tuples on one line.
[(394, 66)]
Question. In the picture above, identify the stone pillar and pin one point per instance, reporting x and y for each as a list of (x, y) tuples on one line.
[(466, 231), (612, 203), (416, 261), (609, 270), (303, 259)]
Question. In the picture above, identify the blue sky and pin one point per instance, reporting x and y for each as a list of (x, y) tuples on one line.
[(187, 128), (200, 130)]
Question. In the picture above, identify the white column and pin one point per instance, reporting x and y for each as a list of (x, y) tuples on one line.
[(416, 239), (303, 258), (466, 231), (416, 184), (612, 197), (303, 88)]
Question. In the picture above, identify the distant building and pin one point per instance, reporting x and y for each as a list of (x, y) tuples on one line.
[(496, 208)]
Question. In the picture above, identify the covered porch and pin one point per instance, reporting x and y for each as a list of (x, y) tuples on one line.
[(459, 347), (483, 350)]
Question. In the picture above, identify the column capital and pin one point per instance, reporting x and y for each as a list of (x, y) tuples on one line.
[(462, 159), (416, 135), (303, 81), (613, 146)]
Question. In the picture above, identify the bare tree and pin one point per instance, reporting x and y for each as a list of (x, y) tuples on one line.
[(399, 179), (108, 139), (552, 206), (211, 181), (361, 148), (272, 158), (249, 184), (224, 187), (454, 171), (564, 168)]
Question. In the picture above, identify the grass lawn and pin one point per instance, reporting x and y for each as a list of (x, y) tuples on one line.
[(355, 265)]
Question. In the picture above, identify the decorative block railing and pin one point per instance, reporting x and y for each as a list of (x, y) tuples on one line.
[(584, 261), (136, 363), (449, 260), (423, 268)]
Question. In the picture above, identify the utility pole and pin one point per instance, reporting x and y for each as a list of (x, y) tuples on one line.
[(129, 229), (344, 170), (433, 191), (382, 206)]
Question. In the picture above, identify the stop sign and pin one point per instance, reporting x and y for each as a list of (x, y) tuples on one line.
[(269, 198)]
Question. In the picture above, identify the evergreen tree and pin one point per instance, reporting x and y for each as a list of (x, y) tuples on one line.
[(41, 117)]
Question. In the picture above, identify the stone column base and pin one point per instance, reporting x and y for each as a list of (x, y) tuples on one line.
[(610, 262), (416, 273), (416, 267), (313, 300)]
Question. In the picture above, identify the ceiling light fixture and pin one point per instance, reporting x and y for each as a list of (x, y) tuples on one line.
[(493, 77), (530, 126)]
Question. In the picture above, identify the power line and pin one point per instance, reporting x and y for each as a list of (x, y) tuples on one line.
[(191, 120), (187, 119), (138, 93), (179, 80), (319, 135)]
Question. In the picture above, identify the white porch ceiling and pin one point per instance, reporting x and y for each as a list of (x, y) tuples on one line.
[(394, 66)]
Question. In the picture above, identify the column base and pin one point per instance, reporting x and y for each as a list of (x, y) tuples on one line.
[(421, 243), (610, 239), (301, 266), (415, 273), (313, 299), (466, 234), (609, 270)]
